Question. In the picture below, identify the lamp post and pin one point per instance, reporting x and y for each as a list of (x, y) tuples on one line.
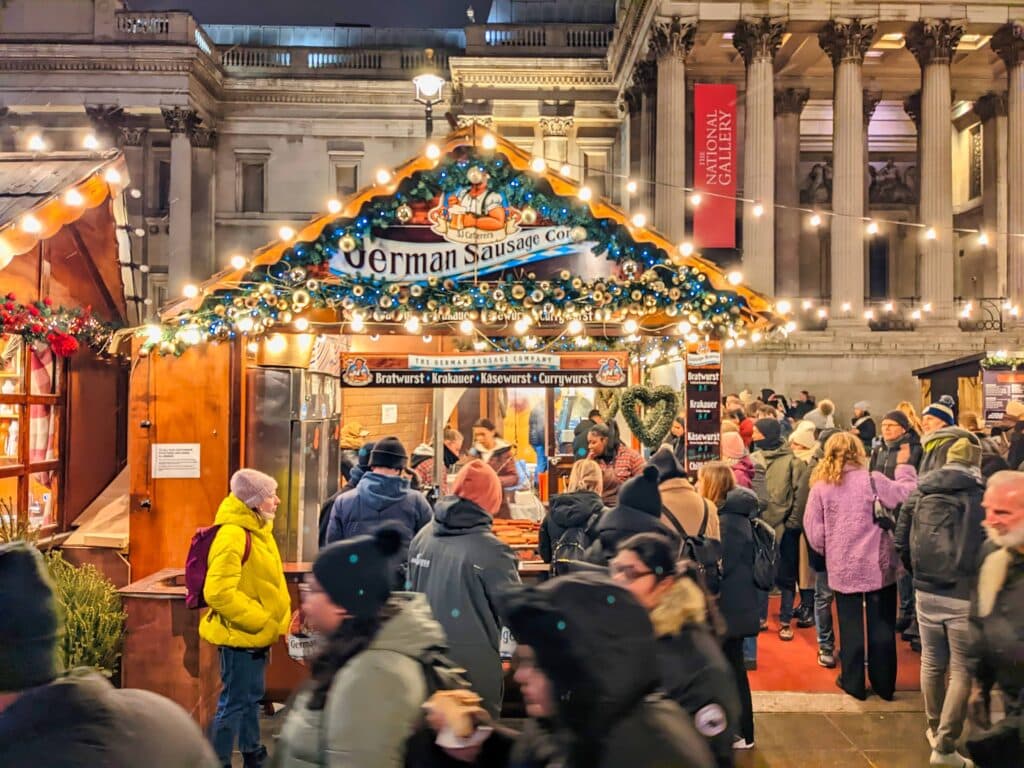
[(429, 85)]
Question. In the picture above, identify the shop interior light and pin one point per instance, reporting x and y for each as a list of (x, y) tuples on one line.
[(639, 220), (784, 307), (815, 220), (412, 325), (692, 338), (135, 193), (1007, 305), (565, 170), (696, 198), (383, 176), (686, 248), (238, 261), (190, 291), (466, 327), (36, 143), (585, 194), (301, 325), (538, 165), (90, 142), (357, 324), (252, 347), (1002, 353), (74, 198), (735, 277), (1015, 311), (654, 355), (631, 187), (277, 344), (530, 342), (489, 142), (374, 337), (433, 151), (583, 341), (758, 210), (889, 306), (333, 206), (982, 238), (930, 234), (286, 233), (575, 328), (31, 224), (741, 343), (674, 351), (872, 228), (112, 176)]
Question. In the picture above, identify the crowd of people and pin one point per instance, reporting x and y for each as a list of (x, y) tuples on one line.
[(909, 527)]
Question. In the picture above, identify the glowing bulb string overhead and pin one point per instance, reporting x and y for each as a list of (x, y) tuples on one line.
[(651, 279)]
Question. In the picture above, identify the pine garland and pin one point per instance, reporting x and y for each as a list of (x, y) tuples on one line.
[(62, 329)]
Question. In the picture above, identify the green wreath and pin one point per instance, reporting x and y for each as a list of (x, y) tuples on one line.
[(607, 402), (660, 407)]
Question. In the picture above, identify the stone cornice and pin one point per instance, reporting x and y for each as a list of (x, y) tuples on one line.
[(791, 101), (673, 38), (991, 105), (556, 126), (1008, 43), (934, 40), (847, 39), (758, 39)]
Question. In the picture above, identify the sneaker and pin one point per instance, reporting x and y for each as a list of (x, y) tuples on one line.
[(803, 622), (750, 665), (255, 759), (951, 759), (903, 623), (826, 659), (786, 632), (741, 743), (915, 645)]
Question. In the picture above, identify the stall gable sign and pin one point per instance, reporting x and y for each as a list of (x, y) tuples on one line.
[(471, 231), (703, 404), (513, 369)]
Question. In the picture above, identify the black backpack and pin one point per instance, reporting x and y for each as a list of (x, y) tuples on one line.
[(572, 545), (704, 552), (935, 539), (765, 560)]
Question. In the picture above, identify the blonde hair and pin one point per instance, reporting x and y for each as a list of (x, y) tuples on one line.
[(911, 414), (586, 475), (714, 481), (841, 450)]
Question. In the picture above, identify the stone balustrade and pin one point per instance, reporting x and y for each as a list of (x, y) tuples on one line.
[(539, 40)]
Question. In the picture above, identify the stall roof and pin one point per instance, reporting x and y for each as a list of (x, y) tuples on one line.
[(471, 145), (928, 370)]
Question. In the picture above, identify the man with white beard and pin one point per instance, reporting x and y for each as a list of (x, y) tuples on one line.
[(997, 626)]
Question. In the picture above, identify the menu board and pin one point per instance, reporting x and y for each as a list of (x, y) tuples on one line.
[(703, 404), (999, 388)]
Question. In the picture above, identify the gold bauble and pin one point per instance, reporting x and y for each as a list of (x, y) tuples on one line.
[(671, 310), (559, 294), (649, 275), (674, 294), (636, 294), (312, 285), (629, 266), (238, 301), (385, 302), (432, 305), (300, 299), (545, 285), (264, 289), (536, 295), (598, 297), (393, 289), (578, 234), (219, 310), (252, 302), (271, 300), (448, 285), (358, 290), (347, 243), (565, 274), (498, 295), (403, 213), (529, 215), (650, 301), (416, 290), (347, 303), (531, 275), (577, 283), (433, 281), (297, 275), (518, 292), (403, 299), (701, 278)]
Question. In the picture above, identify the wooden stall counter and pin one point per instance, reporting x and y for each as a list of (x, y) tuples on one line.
[(161, 627)]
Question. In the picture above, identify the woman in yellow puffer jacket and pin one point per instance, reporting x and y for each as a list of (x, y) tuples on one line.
[(249, 609)]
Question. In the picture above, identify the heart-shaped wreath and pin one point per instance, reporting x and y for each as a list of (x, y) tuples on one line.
[(660, 407), (608, 403)]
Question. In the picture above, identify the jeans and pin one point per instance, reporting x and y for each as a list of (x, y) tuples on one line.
[(238, 708), (789, 569), (944, 645), (823, 612), (733, 648), (879, 607)]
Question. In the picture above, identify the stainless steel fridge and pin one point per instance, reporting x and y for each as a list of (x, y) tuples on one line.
[(291, 433)]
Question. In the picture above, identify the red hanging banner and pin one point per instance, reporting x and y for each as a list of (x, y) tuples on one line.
[(714, 165)]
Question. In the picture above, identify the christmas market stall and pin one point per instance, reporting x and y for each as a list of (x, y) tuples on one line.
[(63, 287), (470, 283)]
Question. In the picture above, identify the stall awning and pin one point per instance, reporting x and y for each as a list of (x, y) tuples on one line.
[(472, 228)]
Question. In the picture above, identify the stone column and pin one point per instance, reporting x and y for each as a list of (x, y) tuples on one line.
[(180, 122), (871, 99), (615, 189), (671, 41), (204, 253), (757, 40), (789, 103), (992, 109), (645, 77), (845, 42), (555, 131), (932, 42), (1008, 43)]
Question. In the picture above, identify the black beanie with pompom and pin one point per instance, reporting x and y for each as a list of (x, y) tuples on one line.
[(357, 573)]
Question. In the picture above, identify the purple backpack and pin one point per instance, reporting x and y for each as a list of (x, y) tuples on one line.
[(197, 563)]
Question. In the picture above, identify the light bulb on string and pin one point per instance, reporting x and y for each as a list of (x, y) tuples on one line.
[(982, 239), (538, 165), (334, 206), (790, 326), (574, 328), (135, 193), (245, 324), (112, 176), (427, 338), (433, 151), (190, 291), (90, 142), (357, 324), (286, 233), (585, 193), (565, 170), (466, 327), (383, 176), (639, 220), (686, 248), (74, 198), (301, 325), (729, 343), (822, 313), (631, 187), (735, 277), (930, 234), (757, 210), (631, 326), (238, 261), (36, 143), (872, 228), (806, 304), (412, 325), (489, 142), (696, 198), (521, 326), (815, 220), (684, 328), (784, 307)]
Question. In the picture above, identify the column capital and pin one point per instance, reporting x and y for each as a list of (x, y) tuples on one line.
[(871, 99), (107, 119), (934, 40), (991, 105), (1008, 43), (673, 37), (203, 137), (556, 126), (847, 39), (791, 101), (484, 121), (180, 119), (758, 38), (131, 135), (645, 75), (912, 106)]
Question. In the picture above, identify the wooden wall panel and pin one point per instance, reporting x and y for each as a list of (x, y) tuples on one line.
[(188, 399), (414, 405)]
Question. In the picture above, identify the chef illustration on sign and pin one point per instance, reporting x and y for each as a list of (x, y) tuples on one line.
[(477, 206)]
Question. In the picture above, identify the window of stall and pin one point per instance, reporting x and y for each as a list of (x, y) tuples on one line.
[(31, 412)]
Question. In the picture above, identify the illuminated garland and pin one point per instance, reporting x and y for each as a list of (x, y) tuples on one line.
[(1002, 360), (646, 280), (60, 328)]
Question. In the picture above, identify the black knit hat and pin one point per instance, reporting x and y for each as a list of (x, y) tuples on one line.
[(899, 417), (389, 452), (668, 465), (357, 573), (771, 429), (364, 455), (30, 625), (641, 492)]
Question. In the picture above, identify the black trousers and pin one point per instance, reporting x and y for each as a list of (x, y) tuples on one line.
[(879, 608), (732, 647)]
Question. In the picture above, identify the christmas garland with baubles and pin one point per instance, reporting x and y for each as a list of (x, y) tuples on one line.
[(62, 329)]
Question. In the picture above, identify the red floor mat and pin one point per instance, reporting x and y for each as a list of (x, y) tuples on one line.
[(793, 666)]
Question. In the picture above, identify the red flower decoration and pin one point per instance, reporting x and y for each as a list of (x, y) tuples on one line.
[(48, 301), (62, 344), (33, 310), (11, 297)]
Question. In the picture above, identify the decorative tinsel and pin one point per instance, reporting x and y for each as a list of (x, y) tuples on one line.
[(60, 328), (660, 405), (645, 282), (1003, 361)]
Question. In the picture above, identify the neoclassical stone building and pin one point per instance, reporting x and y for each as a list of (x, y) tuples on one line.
[(896, 125)]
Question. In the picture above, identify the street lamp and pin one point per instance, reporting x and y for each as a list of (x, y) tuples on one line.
[(429, 85)]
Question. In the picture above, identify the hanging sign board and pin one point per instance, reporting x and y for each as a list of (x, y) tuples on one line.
[(714, 165), (703, 404), (998, 389), (499, 369)]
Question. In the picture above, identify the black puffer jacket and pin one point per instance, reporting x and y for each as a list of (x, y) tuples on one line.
[(883, 457), (737, 597), (694, 672), (580, 509), (617, 526), (595, 643)]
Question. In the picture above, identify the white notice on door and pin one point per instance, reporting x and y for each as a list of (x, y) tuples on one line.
[(389, 413), (175, 460)]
